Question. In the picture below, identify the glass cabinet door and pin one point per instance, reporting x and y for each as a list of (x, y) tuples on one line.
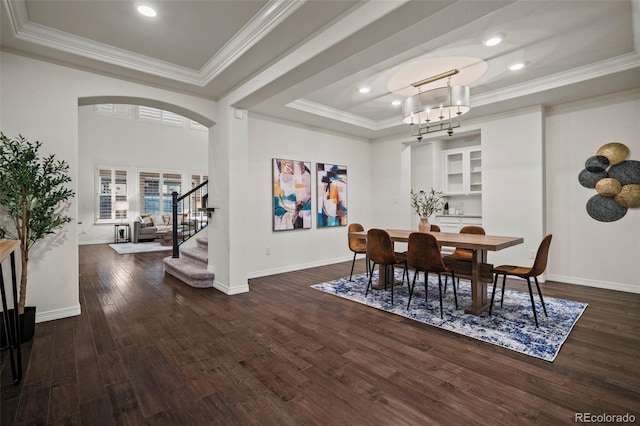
[(454, 174), (462, 171), (475, 171)]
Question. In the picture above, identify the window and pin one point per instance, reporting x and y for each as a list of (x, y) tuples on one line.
[(111, 199), (158, 115), (113, 110), (148, 114), (156, 190), (197, 126), (197, 201)]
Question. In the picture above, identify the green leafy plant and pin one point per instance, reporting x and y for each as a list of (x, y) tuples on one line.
[(426, 204), (33, 197)]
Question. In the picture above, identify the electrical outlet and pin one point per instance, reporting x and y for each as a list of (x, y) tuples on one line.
[(532, 254), (268, 251)]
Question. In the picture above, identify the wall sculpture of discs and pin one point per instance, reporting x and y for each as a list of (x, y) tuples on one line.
[(616, 181)]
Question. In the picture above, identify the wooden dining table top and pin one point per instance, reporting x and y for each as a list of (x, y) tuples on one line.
[(468, 241)]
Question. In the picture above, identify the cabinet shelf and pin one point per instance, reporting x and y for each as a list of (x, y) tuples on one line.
[(462, 171)]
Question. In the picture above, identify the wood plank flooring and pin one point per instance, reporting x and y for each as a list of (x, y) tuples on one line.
[(149, 350)]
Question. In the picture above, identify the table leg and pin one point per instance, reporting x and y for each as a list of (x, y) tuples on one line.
[(479, 300), (390, 276)]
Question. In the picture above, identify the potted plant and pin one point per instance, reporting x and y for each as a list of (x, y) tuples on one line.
[(426, 204), (33, 202)]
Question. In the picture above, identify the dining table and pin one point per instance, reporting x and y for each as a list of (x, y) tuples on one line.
[(478, 244)]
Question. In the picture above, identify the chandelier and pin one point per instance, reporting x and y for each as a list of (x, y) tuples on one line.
[(435, 110)]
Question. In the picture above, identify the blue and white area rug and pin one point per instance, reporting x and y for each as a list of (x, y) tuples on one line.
[(511, 326), (129, 248)]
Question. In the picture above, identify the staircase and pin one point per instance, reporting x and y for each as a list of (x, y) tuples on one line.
[(191, 266)]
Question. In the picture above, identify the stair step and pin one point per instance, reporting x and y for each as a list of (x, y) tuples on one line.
[(203, 242), (193, 273), (197, 254)]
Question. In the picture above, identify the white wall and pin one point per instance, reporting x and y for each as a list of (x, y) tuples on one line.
[(427, 168), (135, 145), (512, 182), (512, 179), (40, 101), (530, 160), (302, 248), (586, 251)]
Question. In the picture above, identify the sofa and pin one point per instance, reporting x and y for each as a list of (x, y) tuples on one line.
[(147, 225)]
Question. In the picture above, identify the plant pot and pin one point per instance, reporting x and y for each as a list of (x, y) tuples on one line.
[(27, 325)]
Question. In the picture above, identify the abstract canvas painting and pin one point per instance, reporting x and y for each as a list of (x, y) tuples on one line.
[(332, 195), (291, 194)]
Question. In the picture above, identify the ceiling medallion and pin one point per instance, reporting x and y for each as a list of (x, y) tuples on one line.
[(435, 110)]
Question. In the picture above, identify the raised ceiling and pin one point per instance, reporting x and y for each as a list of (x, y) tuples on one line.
[(305, 60)]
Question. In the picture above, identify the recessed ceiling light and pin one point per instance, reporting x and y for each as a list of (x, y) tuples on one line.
[(147, 11), (492, 41), (364, 89), (396, 103), (517, 66)]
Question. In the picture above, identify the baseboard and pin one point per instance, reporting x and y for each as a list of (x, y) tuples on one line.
[(57, 314), (93, 242), (291, 268), (629, 288), (230, 291)]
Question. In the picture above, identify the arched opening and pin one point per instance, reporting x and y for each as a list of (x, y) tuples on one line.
[(153, 103), (130, 158)]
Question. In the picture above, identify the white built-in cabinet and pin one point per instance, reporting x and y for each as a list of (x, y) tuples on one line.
[(462, 173), (453, 223)]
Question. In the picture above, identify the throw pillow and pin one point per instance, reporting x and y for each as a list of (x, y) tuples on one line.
[(157, 220), (146, 220)]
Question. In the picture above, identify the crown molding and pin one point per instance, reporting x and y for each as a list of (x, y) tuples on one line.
[(269, 17), (576, 75), (565, 78), (259, 26), (333, 114)]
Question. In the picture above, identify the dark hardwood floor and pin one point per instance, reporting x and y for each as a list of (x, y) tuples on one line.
[(148, 349)]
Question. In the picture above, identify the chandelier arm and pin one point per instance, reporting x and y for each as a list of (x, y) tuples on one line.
[(435, 78)]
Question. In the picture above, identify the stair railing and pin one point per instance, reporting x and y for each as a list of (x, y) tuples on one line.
[(190, 214)]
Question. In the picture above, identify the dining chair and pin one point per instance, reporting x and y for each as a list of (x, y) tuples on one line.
[(380, 252), (462, 254), (357, 246), (423, 255), (435, 228), (539, 266)]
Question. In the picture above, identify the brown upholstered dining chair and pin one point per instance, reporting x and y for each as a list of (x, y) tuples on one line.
[(462, 254), (539, 266), (423, 255), (357, 246), (435, 228), (380, 252)]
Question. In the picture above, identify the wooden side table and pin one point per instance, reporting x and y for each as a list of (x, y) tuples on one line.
[(121, 233)]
